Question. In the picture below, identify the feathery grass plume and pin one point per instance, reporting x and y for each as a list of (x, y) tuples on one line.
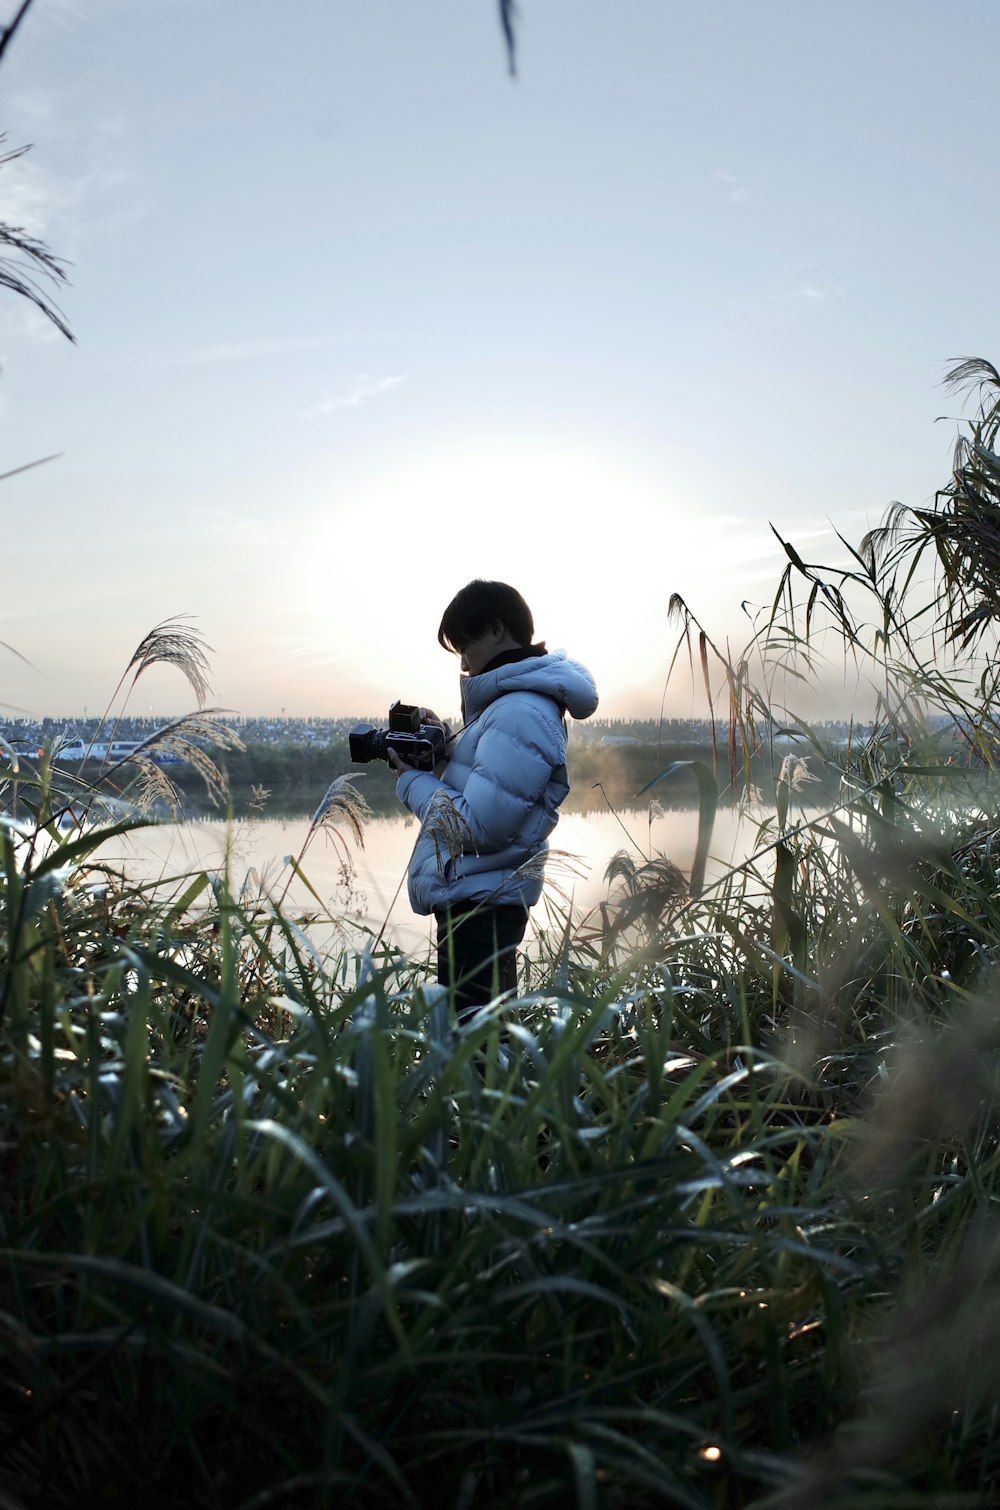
[(169, 643), (32, 260), (447, 830), (795, 773), (653, 892), (258, 799), (964, 524), (256, 886), (960, 531), (558, 868), (342, 803), (621, 867), (185, 738), (562, 865), (172, 643), (152, 785), (974, 372)]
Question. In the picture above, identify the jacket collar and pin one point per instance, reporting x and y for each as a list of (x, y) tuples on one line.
[(510, 657)]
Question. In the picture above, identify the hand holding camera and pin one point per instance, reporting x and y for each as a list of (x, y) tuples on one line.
[(414, 740)]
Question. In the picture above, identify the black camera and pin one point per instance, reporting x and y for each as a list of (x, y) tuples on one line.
[(419, 745)]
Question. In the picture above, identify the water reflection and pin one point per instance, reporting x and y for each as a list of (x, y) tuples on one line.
[(368, 885)]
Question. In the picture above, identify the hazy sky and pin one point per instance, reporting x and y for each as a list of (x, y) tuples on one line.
[(360, 318)]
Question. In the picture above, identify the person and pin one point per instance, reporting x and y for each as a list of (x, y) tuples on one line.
[(489, 807)]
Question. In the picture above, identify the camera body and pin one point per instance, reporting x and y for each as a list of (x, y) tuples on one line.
[(419, 745)]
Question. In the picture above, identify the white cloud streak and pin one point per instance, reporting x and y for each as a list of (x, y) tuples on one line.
[(361, 392)]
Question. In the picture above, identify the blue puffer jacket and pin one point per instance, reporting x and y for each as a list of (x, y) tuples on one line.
[(485, 823)]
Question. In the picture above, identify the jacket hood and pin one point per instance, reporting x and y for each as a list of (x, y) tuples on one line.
[(553, 675)]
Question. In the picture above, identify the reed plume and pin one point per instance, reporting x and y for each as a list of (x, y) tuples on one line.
[(795, 773), (650, 893), (184, 738), (447, 830), (32, 260), (342, 803), (169, 643), (173, 643)]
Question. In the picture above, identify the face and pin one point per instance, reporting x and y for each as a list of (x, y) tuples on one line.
[(478, 652)]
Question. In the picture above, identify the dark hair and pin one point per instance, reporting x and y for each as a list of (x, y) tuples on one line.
[(477, 608)]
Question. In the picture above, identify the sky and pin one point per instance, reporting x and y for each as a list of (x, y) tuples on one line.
[(360, 317)]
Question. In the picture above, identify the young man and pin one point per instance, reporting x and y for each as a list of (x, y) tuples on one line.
[(487, 812)]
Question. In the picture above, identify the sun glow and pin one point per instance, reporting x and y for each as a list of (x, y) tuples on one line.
[(595, 547)]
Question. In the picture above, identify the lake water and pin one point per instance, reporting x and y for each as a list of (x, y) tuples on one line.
[(364, 884)]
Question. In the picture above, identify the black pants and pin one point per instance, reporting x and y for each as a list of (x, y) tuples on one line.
[(476, 951)]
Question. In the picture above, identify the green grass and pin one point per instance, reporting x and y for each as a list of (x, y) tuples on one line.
[(706, 1218), (278, 1231)]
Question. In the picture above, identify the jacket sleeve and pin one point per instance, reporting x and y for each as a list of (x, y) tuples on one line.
[(516, 753)]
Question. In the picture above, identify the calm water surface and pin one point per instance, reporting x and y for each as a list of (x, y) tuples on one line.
[(367, 887)]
